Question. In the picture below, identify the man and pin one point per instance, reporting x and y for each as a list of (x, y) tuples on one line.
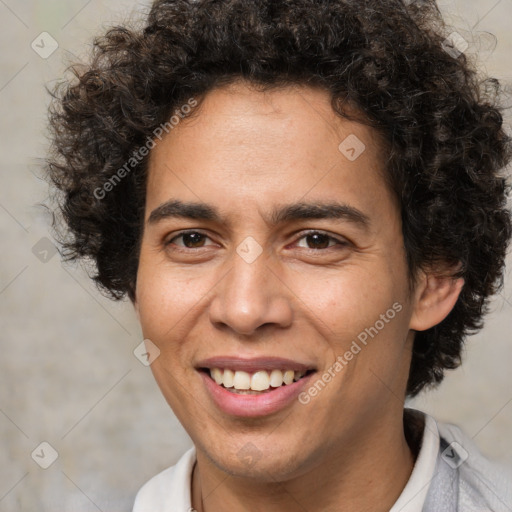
[(304, 202)]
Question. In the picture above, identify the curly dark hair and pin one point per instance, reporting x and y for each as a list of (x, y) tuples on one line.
[(442, 123)]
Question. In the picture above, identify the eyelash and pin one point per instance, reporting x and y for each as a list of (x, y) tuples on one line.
[(342, 243)]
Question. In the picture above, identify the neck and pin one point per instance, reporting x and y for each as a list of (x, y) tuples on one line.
[(367, 476)]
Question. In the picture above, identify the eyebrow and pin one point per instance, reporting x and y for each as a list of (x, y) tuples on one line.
[(281, 214)]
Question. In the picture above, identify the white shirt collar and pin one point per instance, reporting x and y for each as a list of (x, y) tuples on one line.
[(413, 496), (170, 490)]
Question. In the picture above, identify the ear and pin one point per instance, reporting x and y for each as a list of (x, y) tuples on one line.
[(435, 297)]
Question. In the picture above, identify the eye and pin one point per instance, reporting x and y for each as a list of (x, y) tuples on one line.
[(190, 239), (315, 240), (321, 240)]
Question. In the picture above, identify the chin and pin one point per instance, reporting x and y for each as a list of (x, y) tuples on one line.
[(259, 459)]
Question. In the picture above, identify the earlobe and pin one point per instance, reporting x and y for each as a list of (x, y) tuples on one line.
[(436, 296)]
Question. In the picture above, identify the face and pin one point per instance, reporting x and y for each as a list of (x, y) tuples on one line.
[(267, 247)]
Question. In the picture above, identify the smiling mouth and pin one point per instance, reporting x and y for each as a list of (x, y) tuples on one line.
[(254, 383)]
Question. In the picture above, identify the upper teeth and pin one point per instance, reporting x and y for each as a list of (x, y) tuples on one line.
[(258, 381)]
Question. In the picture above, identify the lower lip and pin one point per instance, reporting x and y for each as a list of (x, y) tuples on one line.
[(254, 405)]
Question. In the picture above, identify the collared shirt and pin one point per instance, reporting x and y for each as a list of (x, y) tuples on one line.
[(449, 475)]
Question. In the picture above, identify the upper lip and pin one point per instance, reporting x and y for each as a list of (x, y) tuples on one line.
[(253, 364)]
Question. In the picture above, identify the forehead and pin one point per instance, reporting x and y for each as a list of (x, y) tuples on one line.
[(264, 148)]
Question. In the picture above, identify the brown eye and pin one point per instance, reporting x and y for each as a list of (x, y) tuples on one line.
[(190, 240), (317, 240)]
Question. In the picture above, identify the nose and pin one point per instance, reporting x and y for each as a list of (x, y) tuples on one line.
[(251, 295)]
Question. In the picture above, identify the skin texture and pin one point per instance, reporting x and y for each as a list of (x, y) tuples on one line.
[(247, 152)]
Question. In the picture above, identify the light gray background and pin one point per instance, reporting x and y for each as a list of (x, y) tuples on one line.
[(69, 376)]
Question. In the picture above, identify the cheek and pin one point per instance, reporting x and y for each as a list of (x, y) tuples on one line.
[(166, 299), (362, 316), (349, 301)]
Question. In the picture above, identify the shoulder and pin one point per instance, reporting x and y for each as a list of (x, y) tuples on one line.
[(169, 489), (481, 482)]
